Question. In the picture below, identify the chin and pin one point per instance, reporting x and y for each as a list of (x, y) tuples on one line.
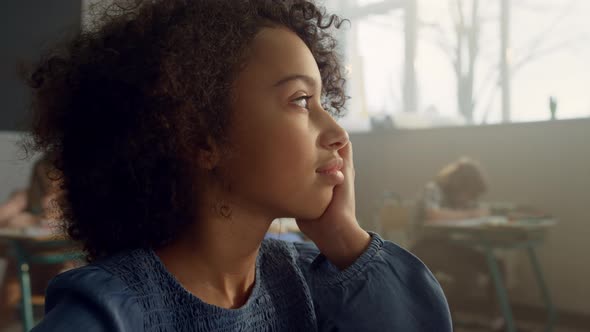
[(316, 208), (316, 214), (313, 206), (309, 210)]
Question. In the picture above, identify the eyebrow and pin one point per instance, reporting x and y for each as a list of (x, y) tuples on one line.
[(296, 77)]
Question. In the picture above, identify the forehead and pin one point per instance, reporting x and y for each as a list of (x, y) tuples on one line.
[(277, 52)]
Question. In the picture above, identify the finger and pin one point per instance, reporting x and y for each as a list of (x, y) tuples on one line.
[(345, 190), (346, 154)]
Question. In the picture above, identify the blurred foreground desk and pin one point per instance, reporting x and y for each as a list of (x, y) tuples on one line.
[(491, 233), (35, 246)]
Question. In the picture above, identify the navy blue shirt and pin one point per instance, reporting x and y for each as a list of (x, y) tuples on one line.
[(296, 289)]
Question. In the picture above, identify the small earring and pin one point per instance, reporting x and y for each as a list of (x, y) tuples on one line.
[(224, 210)]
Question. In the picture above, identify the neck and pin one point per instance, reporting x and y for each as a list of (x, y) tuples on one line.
[(216, 258)]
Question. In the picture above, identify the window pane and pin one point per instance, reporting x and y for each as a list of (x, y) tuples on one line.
[(550, 58)]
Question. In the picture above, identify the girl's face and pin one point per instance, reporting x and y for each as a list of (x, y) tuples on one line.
[(285, 161)]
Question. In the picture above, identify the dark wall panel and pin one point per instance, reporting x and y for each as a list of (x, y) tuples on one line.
[(26, 28)]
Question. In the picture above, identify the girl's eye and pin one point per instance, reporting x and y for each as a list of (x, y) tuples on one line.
[(302, 101)]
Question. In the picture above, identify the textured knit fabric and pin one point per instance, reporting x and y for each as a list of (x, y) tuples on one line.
[(296, 289)]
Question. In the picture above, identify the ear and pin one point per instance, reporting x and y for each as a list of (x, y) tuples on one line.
[(208, 155)]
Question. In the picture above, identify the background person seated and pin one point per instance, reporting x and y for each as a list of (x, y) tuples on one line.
[(30, 207), (25, 208), (454, 194)]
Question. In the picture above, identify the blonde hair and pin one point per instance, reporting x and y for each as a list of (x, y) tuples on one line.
[(462, 176)]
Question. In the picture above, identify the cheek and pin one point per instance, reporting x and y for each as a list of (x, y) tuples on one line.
[(286, 165), (285, 151), (273, 163)]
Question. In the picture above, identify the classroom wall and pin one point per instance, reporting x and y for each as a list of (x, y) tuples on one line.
[(544, 164), (26, 28)]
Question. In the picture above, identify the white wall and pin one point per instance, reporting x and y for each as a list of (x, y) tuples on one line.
[(544, 164)]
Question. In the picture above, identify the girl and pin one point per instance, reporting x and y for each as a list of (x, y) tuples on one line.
[(182, 129)]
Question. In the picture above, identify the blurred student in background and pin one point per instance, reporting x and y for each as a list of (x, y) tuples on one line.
[(453, 194), (26, 208)]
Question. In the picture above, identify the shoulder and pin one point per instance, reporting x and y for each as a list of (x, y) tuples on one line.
[(415, 285), (280, 252), (406, 265), (295, 253), (385, 279), (91, 281), (404, 283), (92, 296), (287, 261), (119, 273), (87, 298), (381, 255)]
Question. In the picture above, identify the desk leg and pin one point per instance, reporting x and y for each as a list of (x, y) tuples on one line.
[(500, 290), (25, 286), (544, 291)]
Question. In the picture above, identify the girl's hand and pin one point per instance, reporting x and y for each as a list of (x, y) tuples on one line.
[(336, 232)]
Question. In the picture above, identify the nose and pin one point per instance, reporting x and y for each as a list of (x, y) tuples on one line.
[(332, 136)]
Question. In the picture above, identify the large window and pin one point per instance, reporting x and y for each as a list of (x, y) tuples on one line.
[(431, 63)]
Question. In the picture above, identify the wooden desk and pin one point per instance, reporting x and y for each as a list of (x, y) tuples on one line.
[(35, 246), (491, 233)]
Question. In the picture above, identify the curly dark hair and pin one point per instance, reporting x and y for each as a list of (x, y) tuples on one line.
[(123, 108)]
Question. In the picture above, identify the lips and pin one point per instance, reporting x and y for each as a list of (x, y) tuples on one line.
[(331, 166)]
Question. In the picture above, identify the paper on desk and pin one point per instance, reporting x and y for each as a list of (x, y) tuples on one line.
[(474, 222)]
